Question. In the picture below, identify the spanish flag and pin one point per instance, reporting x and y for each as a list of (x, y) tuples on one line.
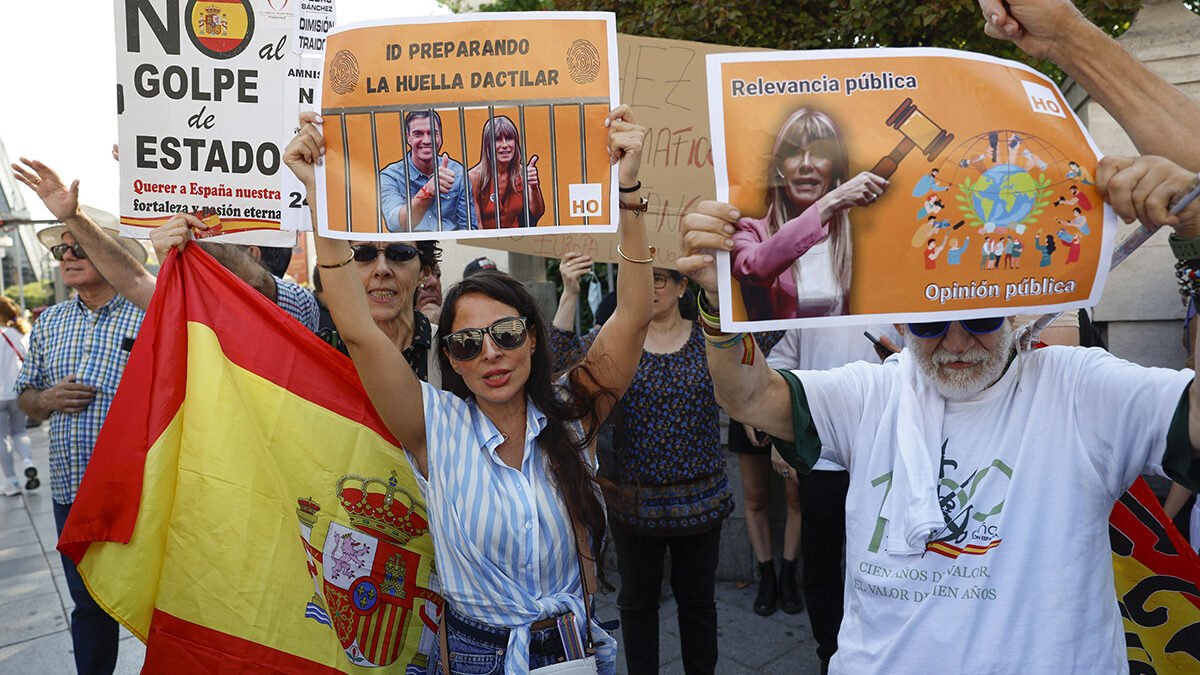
[(1158, 586), (245, 509)]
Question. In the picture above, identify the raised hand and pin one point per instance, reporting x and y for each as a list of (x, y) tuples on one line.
[(707, 229), (62, 201), (625, 139), (306, 150), (1146, 188), (572, 268)]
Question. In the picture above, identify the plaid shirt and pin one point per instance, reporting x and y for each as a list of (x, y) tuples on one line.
[(70, 339), (297, 301)]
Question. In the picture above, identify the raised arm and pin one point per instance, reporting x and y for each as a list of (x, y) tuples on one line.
[(614, 356), (744, 385), (111, 260), (1146, 188), (572, 267), (389, 381), (1159, 118)]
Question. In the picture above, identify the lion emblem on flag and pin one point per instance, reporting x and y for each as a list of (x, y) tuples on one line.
[(373, 574)]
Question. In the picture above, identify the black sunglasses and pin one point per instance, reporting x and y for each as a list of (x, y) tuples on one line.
[(365, 253), (465, 344), (934, 329), (59, 250)]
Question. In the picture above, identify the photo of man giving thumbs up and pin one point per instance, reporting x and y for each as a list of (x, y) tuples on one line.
[(413, 177), (505, 188)]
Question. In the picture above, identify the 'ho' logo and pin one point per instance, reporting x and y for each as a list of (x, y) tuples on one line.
[(584, 199), (1042, 99)]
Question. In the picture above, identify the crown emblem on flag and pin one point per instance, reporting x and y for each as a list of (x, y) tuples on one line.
[(381, 508)]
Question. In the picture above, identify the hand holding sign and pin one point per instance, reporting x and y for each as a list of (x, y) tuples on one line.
[(572, 268), (625, 140), (705, 230), (1149, 189)]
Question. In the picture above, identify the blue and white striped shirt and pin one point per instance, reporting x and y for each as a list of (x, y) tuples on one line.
[(70, 339), (503, 540)]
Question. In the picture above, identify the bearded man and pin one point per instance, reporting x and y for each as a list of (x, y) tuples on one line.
[(981, 474)]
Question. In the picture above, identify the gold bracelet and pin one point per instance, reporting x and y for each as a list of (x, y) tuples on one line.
[(634, 260), (337, 265)]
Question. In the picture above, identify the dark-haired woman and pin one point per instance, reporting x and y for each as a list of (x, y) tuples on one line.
[(502, 177), (670, 473), (514, 508)]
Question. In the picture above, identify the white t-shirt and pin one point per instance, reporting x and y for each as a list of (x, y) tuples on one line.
[(825, 348), (1021, 579), (10, 362)]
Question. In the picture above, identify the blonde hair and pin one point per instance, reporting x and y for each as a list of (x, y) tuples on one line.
[(10, 315), (801, 129)]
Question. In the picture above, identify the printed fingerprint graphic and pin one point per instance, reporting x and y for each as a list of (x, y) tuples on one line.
[(583, 61), (343, 72)]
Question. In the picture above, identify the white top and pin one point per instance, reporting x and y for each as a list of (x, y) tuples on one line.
[(825, 348), (10, 362), (817, 289), (1021, 578)]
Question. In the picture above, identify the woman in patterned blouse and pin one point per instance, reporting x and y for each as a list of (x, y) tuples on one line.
[(669, 471)]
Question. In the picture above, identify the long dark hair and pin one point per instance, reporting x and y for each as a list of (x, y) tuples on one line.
[(563, 449)]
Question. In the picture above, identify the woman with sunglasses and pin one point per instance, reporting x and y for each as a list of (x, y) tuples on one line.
[(795, 261), (502, 177), (673, 493), (515, 513)]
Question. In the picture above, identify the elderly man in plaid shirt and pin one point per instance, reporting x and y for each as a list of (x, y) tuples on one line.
[(77, 352)]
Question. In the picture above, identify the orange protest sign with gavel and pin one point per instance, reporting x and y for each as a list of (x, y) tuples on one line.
[(901, 184)]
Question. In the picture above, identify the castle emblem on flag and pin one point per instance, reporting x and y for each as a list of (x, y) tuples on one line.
[(365, 575)]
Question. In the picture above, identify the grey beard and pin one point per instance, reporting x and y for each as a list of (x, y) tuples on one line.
[(958, 385)]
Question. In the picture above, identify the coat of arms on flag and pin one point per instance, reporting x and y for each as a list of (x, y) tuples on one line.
[(368, 583)]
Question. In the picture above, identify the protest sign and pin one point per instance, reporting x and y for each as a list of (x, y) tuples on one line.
[(200, 87), (411, 108), (663, 81), (989, 205)]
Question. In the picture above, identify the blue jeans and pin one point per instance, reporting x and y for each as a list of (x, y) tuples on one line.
[(93, 633), (472, 656)]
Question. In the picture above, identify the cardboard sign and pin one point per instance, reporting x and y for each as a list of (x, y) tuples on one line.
[(200, 87), (448, 127), (989, 207), (664, 82)]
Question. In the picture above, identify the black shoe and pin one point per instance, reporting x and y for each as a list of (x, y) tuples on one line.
[(768, 589), (790, 599), (31, 474)]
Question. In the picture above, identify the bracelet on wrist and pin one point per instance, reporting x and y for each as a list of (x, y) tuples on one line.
[(633, 188), (725, 340), (336, 265)]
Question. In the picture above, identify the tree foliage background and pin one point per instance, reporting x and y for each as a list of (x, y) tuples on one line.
[(808, 24)]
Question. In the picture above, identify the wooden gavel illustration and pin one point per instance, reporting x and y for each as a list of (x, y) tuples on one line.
[(919, 132)]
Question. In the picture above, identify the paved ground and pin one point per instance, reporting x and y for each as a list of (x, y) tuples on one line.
[(35, 605)]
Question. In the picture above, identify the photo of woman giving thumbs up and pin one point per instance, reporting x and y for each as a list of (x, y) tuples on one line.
[(497, 179)]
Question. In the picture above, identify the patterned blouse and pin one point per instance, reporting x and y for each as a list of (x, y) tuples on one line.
[(666, 441)]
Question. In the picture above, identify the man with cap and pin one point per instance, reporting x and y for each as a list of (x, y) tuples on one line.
[(77, 352), (478, 265)]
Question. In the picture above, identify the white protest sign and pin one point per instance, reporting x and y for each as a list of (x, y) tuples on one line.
[(200, 87)]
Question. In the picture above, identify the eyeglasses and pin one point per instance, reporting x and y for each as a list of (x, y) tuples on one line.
[(365, 253), (660, 281), (934, 329), (465, 344), (59, 250)]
